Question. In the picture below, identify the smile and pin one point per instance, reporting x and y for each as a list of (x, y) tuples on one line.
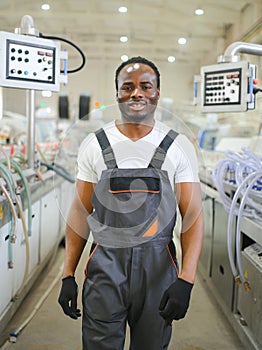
[(136, 106)]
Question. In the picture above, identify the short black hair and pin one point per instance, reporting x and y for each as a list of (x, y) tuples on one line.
[(137, 59)]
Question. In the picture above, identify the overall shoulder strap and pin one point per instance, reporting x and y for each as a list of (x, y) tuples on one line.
[(106, 148), (161, 151)]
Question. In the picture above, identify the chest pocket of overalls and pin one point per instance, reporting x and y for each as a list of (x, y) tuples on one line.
[(128, 200), (140, 193), (132, 205)]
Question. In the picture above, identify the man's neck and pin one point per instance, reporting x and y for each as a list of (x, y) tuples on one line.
[(135, 131)]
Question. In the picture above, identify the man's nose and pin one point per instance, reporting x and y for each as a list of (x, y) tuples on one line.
[(137, 92)]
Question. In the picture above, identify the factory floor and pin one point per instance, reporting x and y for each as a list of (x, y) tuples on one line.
[(204, 328)]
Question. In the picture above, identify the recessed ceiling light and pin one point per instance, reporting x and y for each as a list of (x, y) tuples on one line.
[(45, 7), (182, 41), (122, 9), (171, 59), (124, 58), (123, 39), (199, 12)]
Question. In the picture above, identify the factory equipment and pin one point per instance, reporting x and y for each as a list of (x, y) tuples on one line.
[(239, 174), (230, 85), (34, 186), (249, 304), (233, 195), (228, 89), (207, 248), (29, 62), (233, 217)]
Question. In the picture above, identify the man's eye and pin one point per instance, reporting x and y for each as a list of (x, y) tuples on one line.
[(147, 87)]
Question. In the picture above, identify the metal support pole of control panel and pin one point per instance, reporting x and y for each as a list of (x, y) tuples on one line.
[(30, 113)]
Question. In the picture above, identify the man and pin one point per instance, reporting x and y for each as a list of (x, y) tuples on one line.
[(129, 172)]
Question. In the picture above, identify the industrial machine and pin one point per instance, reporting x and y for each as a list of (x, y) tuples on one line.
[(230, 85), (34, 184), (231, 257)]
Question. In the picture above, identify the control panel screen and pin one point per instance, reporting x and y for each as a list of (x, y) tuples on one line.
[(224, 87), (30, 62)]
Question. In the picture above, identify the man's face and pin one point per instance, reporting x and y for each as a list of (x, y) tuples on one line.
[(137, 92)]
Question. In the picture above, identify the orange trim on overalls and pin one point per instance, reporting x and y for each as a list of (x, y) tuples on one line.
[(124, 191), (172, 259), (152, 229), (90, 256)]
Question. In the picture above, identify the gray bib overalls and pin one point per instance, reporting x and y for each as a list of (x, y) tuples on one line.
[(132, 260)]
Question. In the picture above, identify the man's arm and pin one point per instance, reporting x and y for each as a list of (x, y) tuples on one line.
[(190, 205), (77, 233), (77, 230), (175, 300)]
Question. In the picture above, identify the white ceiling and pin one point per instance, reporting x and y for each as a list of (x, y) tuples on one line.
[(152, 26)]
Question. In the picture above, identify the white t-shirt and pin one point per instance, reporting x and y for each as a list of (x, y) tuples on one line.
[(180, 162)]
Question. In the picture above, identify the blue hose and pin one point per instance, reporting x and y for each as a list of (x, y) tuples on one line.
[(20, 172), (58, 169)]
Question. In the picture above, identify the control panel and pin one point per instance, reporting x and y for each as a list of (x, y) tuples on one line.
[(29, 62), (225, 87)]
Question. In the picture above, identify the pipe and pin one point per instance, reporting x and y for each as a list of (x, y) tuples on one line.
[(30, 113), (242, 47), (11, 187), (218, 178), (6, 157), (20, 172), (238, 231), (11, 184), (59, 170), (233, 213), (247, 167), (27, 249), (39, 303), (13, 226)]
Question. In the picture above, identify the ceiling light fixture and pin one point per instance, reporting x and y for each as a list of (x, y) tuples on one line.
[(122, 9), (171, 59), (124, 58), (199, 12), (182, 41), (45, 7), (123, 39)]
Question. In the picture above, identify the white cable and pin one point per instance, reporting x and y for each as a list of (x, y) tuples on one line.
[(27, 249), (6, 157), (21, 215), (241, 165), (40, 302), (36, 308), (232, 213), (9, 199), (238, 231)]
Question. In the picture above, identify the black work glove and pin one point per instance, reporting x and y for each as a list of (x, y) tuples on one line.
[(68, 297), (175, 301)]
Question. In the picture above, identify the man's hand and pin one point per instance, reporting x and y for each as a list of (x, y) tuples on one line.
[(175, 301), (68, 297)]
